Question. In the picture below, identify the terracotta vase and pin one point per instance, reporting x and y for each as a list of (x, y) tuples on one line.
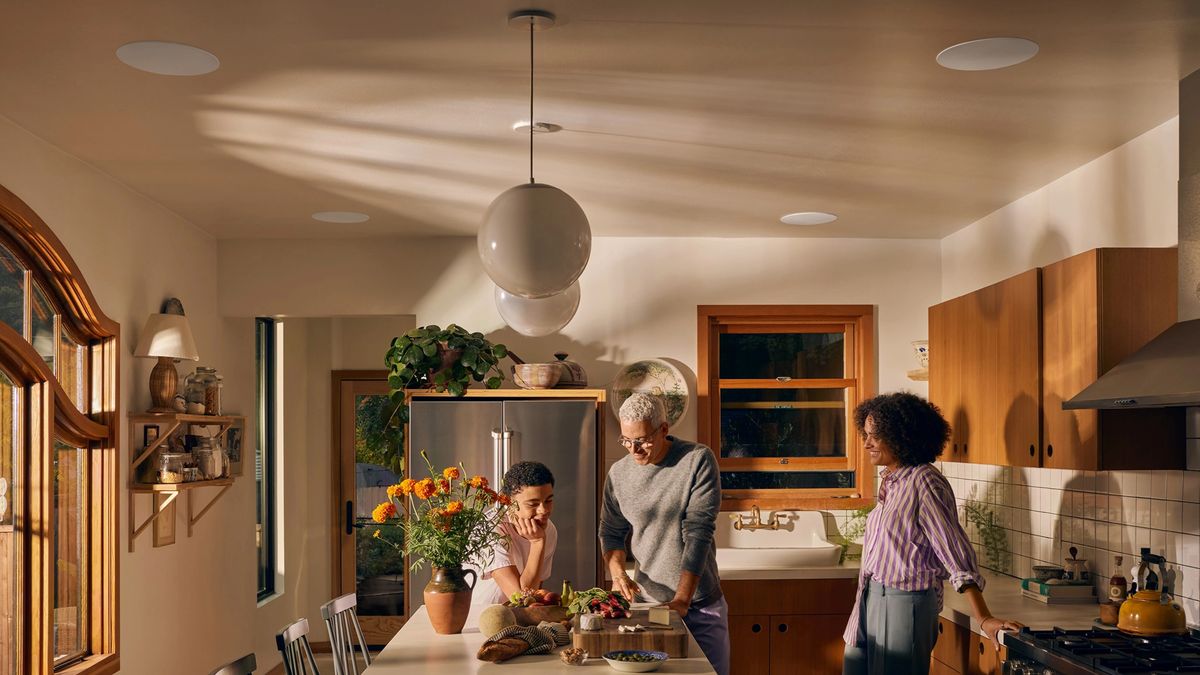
[(448, 599)]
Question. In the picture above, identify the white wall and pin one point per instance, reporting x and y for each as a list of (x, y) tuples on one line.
[(1127, 197), (185, 607)]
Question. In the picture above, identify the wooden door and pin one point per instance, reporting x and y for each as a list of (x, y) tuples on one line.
[(750, 644), (952, 645), (807, 644), (1070, 344), (984, 659), (372, 568)]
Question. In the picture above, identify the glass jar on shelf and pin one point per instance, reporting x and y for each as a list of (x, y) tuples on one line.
[(170, 467), (212, 394), (196, 390), (210, 458)]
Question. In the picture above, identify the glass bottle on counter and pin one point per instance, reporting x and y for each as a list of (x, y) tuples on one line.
[(1117, 586)]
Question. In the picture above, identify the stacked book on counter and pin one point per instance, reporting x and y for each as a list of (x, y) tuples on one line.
[(1059, 592)]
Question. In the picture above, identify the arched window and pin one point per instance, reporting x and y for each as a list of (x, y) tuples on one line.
[(58, 458)]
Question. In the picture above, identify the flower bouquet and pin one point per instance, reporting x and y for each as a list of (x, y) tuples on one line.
[(447, 520)]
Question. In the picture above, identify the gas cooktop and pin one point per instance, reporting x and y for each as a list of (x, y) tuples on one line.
[(1105, 651)]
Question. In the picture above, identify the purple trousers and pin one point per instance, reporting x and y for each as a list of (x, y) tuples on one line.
[(710, 626)]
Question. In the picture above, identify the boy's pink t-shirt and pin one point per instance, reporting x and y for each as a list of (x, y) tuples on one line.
[(515, 552)]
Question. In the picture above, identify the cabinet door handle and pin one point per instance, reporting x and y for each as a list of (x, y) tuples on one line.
[(1032, 450), (981, 649), (1049, 450), (783, 628), (941, 628), (964, 448), (954, 449), (756, 628)]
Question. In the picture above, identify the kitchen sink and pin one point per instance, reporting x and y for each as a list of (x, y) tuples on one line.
[(798, 541)]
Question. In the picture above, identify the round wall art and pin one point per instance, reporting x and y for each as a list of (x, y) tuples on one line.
[(652, 376)]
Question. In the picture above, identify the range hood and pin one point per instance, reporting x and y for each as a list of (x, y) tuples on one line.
[(1166, 371)]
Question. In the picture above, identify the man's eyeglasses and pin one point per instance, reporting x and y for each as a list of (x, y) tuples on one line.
[(636, 443)]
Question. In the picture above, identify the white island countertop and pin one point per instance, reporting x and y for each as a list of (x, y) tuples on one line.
[(417, 650)]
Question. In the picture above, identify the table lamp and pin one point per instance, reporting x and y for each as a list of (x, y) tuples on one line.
[(167, 337)]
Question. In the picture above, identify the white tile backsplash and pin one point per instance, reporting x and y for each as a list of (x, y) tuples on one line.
[(1103, 514)]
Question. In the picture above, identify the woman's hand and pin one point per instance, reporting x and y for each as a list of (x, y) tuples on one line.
[(991, 627), (528, 528)]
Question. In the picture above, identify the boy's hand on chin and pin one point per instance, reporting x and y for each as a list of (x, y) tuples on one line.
[(528, 528)]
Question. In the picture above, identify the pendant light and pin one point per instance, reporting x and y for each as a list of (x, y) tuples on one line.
[(538, 317), (535, 239)]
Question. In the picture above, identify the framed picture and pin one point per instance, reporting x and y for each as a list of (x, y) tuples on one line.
[(164, 525), (149, 434), (233, 447)]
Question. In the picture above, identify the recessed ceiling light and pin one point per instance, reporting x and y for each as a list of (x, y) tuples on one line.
[(340, 217), (538, 127), (988, 53), (167, 58), (808, 218)]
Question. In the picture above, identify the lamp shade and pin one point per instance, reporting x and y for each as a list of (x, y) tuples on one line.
[(535, 240), (167, 335), (541, 316)]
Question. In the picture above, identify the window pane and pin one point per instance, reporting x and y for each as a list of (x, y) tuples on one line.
[(9, 554), (72, 370), (757, 356), (785, 480), (70, 533), (379, 564), (783, 422), (264, 454), (12, 291), (42, 333)]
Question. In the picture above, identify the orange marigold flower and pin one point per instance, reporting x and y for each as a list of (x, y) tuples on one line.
[(383, 512), (377, 534), (478, 482), (393, 491), (451, 473), (443, 486), (454, 507), (504, 499), (406, 486), (424, 488)]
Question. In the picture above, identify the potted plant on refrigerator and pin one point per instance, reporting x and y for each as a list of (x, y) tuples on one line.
[(441, 359), (448, 520)]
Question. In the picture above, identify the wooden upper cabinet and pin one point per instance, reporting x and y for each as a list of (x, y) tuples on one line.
[(1097, 308), (985, 371)]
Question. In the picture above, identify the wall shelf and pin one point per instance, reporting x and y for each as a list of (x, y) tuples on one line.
[(164, 495)]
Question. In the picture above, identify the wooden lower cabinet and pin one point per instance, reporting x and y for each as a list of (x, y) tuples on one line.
[(961, 650), (788, 626)]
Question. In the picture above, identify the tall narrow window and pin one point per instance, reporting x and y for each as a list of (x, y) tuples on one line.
[(264, 457), (10, 572), (71, 564), (778, 385)]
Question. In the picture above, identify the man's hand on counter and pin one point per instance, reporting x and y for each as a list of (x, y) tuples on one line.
[(681, 605)]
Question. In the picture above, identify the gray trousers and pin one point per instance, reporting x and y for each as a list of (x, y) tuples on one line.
[(899, 629)]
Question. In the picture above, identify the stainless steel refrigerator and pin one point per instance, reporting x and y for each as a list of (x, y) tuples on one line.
[(489, 435)]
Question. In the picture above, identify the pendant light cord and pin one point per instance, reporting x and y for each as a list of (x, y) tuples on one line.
[(531, 22)]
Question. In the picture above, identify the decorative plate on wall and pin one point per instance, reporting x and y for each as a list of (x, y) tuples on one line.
[(652, 376)]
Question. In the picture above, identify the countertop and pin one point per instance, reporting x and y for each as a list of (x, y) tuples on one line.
[(417, 650), (1004, 599), (843, 571)]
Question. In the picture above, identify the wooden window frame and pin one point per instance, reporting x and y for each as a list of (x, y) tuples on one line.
[(49, 413), (859, 323)]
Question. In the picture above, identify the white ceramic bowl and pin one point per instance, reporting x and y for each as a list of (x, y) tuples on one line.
[(636, 666)]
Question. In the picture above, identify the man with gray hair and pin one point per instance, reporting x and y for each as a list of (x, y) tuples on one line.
[(667, 493)]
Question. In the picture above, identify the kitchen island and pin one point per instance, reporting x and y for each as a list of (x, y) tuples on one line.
[(417, 650)]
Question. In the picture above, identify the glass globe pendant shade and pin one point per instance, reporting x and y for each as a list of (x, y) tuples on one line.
[(535, 241), (541, 316)]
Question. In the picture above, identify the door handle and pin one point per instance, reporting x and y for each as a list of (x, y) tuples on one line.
[(349, 517), (497, 460), (506, 444)]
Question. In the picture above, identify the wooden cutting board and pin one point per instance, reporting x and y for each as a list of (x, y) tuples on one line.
[(671, 639)]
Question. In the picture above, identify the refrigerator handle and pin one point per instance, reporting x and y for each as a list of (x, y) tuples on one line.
[(507, 445), (497, 461)]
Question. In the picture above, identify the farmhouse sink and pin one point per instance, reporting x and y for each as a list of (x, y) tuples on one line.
[(799, 541)]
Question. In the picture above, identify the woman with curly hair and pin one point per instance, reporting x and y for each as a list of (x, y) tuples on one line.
[(913, 543)]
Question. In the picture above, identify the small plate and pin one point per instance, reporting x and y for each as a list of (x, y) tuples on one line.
[(636, 666)]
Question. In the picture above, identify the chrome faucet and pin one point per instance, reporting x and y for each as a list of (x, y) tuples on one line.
[(756, 522)]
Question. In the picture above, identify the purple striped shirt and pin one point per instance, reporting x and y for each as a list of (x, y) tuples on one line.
[(913, 539)]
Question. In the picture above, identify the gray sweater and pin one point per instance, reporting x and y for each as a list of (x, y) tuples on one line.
[(671, 509)]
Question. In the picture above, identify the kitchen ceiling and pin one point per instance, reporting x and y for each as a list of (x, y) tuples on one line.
[(680, 117)]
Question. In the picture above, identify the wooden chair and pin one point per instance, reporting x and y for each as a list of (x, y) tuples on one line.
[(243, 666), (340, 618), (292, 642)]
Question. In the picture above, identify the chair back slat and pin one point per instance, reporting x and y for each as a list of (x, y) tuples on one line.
[(341, 620), (298, 657), (242, 666)]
